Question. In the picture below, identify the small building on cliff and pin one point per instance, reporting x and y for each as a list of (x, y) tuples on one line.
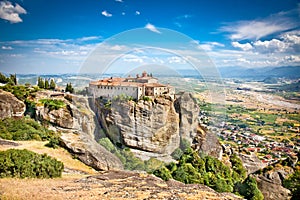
[(138, 87)]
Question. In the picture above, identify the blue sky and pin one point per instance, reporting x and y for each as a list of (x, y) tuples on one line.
[(57, 36)]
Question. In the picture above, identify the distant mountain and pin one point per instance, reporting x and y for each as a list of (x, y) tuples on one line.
[(260, 73)]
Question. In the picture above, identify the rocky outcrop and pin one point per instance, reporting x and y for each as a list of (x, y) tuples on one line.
[(270, 184), (10, 106), (87, 150), (207, 142), (109, 185), (150, 126), (61, 117), (188, 111), (251, 162), (156, 128), (76, 122)]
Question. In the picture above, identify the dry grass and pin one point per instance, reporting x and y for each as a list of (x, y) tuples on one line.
[(59, 153), (106, 185)]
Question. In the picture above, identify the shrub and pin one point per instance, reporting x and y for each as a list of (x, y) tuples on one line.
[(127, 158), (24, 129), (177, 153), (53, 104), (293, 183), (163, 173), (24, 163), (249, 189), (146, 98), (191, 168)]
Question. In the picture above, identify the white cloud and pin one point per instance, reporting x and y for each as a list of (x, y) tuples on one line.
[(152, 28), (244, 47), (292, 37), (121, 1), (209, 46), (259, 28), (89, 38), (137, 12), (6, 48), (271, 45), (10, 12), (176, 59), (106, 14), (132, 58)]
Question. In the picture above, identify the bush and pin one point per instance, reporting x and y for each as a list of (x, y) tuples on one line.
[(53, 143), (127, 158), (177, 153), (249, 189), (24, 163), (146, 98), (53, 104), (24, 129), (191, 168), (293, 183)]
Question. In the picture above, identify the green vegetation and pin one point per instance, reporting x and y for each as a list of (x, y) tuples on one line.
[(146, 98), (249, 189), (27, 164), (52, 84), (128, 159), (3, 78), (293, 183), (24, 129), (191, 168), (69, 88), (53, 104), (44, 83), (19, 91), (122, 97), (41, 83)]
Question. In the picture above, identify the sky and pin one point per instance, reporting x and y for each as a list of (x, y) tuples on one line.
[(58, 36)]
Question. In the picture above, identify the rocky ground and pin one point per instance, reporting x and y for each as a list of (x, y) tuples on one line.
[(106, 185)]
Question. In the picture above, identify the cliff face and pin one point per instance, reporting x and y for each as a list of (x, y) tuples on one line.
[(150, 126), (10, 106), (76, 122), (155, 128), (270, 184)]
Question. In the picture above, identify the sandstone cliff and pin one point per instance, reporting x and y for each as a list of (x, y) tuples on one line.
[(155, 128), (270, 183), (76, 122), (10, 106)]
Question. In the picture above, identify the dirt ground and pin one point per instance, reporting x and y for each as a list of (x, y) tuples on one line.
[(106, 185)]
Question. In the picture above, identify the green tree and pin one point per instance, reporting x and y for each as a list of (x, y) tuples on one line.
[(47, 86), (13, 78), (3, 78), (163, 173), (52, 84), (69, 88), (239, 172), (293, 183), (41, 83), (249, 189)]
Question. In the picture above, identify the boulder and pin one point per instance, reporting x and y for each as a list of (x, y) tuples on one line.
[(150, 126), (77, 124), (10, 106)]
